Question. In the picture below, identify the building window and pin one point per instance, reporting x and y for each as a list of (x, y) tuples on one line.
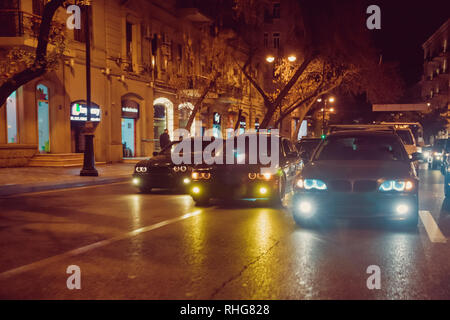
[(266, 40), (129, 45), (80, 34), (11, 117), (276, 40), (276, 11)]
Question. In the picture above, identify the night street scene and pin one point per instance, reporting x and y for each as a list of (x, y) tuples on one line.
[(231, 150)]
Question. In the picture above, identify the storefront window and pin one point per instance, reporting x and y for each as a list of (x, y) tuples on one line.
[(43, 118), (11, 117)]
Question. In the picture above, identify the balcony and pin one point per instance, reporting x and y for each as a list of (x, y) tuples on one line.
[(22, 28)]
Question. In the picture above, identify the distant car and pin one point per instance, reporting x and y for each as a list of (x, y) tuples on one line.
[(245, 181), (307, 146), (160, 171), (437, 154), (446, 169), (358, 174)]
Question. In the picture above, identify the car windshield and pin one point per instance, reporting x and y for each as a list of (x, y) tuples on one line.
[(439, 144), (406, 136), (307, 145), (361, 147)]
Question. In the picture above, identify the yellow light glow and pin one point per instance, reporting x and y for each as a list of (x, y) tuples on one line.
[(332, 110), (292, 58), (319, 100), (267, 176), (331, 99), (195, 175), (135, 181), (186, 180), (196, 190), (409, 185), (263, 190), (270, 59)]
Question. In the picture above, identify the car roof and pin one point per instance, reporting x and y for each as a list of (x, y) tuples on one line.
[(363, 133)]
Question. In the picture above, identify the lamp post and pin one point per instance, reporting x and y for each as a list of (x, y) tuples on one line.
[(89, 128), (324, 109), (270, 59)]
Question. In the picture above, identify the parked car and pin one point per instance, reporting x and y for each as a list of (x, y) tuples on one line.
[(358, 174), (161, 172), (243, 180)]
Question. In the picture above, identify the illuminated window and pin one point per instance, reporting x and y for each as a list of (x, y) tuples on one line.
[(11, 118)]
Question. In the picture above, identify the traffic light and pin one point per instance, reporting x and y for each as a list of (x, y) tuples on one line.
[(323, 136)]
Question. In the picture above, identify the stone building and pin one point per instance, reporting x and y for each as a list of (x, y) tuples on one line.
[(137, 48)]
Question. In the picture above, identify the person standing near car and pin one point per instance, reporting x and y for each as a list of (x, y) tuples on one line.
[(164, 139)]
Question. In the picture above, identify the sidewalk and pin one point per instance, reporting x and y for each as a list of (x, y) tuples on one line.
[(34, 179)]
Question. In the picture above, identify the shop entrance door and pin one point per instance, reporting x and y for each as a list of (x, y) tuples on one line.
[(128, 137)]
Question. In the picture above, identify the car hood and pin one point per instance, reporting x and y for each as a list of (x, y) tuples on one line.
[(355, 169), (156, 161)]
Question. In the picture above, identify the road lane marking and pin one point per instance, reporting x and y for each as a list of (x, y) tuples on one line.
[(81, 250), (433, 231)]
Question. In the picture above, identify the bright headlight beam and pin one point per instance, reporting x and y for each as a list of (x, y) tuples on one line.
[(314, 184)]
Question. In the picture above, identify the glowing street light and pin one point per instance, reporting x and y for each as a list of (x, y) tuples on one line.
[(270, 59), (292, 58)]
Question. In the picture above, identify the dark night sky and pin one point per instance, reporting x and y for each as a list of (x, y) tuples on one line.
[(405, 25)]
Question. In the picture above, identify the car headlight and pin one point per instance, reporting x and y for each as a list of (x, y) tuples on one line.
[(264, 176), (252, 176), (310, 184), (141, 169), (183, 168), (176, 169), (200, 175), (195, 175), (396, 185)]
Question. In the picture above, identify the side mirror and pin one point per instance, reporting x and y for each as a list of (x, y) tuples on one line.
[(416, 156), (155, 153)]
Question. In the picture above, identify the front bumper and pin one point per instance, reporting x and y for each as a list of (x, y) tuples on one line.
[(356, 205), (249, 190), (160, 180)]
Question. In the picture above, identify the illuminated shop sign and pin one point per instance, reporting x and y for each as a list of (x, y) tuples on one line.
[(78, 112), (130, 109)]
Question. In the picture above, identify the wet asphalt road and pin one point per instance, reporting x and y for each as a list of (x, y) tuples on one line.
[(160, 246)]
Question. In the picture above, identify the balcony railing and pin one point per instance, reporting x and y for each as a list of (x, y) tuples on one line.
[(15, 23), (18, 23)]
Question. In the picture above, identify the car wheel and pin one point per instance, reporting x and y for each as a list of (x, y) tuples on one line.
[(446, 189), (145, 189), (277, 199), (201, 201)]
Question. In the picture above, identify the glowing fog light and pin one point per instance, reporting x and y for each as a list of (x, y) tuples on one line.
[(136, 181), (402, 209), (196, 190), (263, 190), (305, 208)]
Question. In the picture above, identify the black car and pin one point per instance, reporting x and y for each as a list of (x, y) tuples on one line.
[(307, 145), (161, 172), (244, 180), (446, 169), (358, 174)]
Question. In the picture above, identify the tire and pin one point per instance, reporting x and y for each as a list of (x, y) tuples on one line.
[(277, 199), (145, 189), (201, 201), (446, 189)]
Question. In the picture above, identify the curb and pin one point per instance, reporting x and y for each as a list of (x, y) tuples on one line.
[(15, 189)]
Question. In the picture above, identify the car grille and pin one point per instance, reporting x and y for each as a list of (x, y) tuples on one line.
[(341, 185), (160, 170), (353, 186), (365, 186)]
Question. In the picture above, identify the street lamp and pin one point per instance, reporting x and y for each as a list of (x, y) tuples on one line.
[(324, 110), (89, 128), (270, 59), (292, 58)]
